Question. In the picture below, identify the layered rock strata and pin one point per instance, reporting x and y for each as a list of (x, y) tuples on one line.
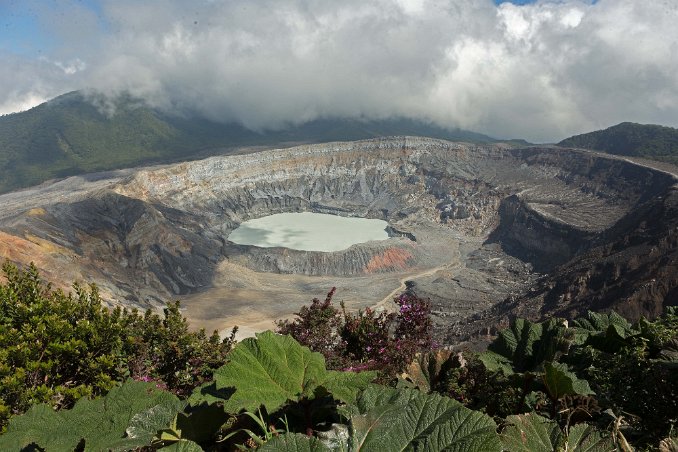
[(472, 226)]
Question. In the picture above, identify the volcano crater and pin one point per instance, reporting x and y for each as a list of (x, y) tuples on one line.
[(482, 230)]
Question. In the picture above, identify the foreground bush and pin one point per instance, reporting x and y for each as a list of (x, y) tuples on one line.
[(598, 369), (56, 348), (595, 384), (275, 395), (367, 340)]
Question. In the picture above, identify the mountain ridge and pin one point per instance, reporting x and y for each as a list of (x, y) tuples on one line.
[(76, 133), (630, 139)]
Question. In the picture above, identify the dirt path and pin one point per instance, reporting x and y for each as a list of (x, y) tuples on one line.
[(387, 302)]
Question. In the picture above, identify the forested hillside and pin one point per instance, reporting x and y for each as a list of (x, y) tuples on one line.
[(70, 135), (630, 139)]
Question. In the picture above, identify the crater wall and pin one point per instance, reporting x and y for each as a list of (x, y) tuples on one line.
[(472, 225)]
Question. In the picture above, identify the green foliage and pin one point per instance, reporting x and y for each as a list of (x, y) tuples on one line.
[(533, 433), (199, 423), (603, 331), (183, 446), (651, 141), (475, 386), (525, 345), (407, 419), (294, 442), (431, 371), (164, 349), (77, 133), (635, 378), (530, 433), (601, 362), (544, 367), (271, 370), (596, 322), (56, 348), (560, 382), (100, 424)]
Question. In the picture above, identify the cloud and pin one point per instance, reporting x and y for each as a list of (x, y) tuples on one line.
[(541, 71), (27, 83)]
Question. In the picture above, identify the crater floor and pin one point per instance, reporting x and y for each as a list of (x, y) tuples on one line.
[(482, 230)]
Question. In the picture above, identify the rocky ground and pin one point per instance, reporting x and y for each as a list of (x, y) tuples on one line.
[(485, 231)]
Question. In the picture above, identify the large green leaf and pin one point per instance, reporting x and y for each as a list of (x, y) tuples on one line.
[(595, 322), (559, 381), (524, 346), (201, 423), (533, 433), (386, 419), (585, 438), (428, 370), (209, 394), (607, 332), (294, 442), (147, 423), (99, 424), (273, 369)]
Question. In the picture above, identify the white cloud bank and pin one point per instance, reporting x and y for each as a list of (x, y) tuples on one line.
[(541, 72)]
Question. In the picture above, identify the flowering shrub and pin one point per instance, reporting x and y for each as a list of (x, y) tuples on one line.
[(317, 326), (366, 340)]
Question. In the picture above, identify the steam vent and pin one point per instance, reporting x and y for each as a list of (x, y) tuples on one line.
[(482, 230)]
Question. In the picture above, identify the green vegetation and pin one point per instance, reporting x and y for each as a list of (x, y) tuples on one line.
[(69, 135), (597, 384), (630, 139), (56, 348)]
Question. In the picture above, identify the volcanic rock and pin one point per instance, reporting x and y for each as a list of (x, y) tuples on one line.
[(486, 231)]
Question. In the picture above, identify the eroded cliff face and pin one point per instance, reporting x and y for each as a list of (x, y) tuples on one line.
[(473, 227)]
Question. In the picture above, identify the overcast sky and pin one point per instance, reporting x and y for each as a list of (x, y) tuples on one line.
[(540, 71)]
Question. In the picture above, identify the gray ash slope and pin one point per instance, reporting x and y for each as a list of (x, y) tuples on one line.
[(486, 231)]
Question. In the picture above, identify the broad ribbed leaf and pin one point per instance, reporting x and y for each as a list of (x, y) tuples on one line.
[(345, 386), (607, 332), (144, 425), (427, 369), (101, 423), (585, 438), (294, 442), (201, 424), (531, 433), (273, 369), (595, 322), (386, 419), (495, 362), (208, 393), (524, 346), (560, 382)]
